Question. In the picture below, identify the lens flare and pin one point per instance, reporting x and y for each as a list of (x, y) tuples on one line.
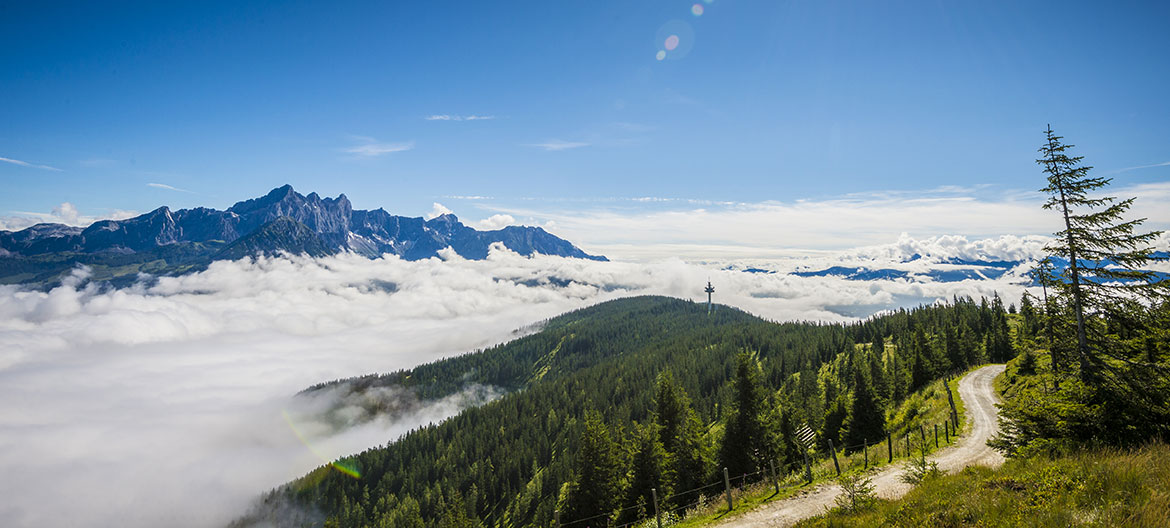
[(697, 9), (341, 465), (676, 38), (660, 55)]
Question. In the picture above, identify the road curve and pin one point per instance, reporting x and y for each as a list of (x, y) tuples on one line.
[(979, 398)]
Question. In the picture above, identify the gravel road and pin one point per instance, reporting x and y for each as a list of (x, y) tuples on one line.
[(979, 398)]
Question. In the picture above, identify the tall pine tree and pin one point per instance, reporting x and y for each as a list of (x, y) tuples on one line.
[(1108, 262), (647, 471), (867, 421), (596, 487), (681, 433), (744, 439)]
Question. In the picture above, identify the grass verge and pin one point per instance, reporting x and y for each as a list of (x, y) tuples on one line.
[(1090, 488)]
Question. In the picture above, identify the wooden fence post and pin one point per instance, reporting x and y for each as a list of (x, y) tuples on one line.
[(775, 477), (657, 514), (954, 410), (834, 452), (807, 468), (890, 445), (936, 436), (557, 516), (908, 452), (866, 443), (947, 430), (922, 430), (727, 486)]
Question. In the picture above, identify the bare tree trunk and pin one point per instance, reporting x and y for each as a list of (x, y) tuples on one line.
[(1082, 347)]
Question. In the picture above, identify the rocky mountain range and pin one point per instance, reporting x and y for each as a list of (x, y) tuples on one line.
[(281, 221)]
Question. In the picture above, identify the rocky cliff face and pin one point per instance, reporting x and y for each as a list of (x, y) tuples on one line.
[(333, 222)]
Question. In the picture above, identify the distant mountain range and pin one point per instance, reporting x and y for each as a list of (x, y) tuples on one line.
[(941, 270), (165, 241), (958, 270)]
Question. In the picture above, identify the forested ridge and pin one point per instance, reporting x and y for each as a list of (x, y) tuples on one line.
[(605, 400)]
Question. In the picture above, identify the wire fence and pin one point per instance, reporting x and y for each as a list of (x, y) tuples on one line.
[(818, 464)]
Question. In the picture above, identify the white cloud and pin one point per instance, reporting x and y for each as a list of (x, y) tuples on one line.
[(554, 145), (437, 210), (369, 147), (27, 164), (1127, 169), (66, 213), (449, 117), (167, 187), (945, 247), (696, 230), (162, 405), (496, 221)]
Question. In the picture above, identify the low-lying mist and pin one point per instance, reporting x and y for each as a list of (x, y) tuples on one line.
[(174, 402)]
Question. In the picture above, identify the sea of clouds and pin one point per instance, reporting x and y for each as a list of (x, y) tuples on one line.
[(165, 403)]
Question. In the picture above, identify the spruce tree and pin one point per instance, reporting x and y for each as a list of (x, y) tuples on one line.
[(954, 353), (647, 471), (880, 382), (899, 377), (744, 442), (670, 411), (866, 419), (791, 451), (404, 514), (1103, 308), (1031, 321), (597, 471), (968, 345), (1108, 261), (922, 371), (999, 337), (455, 515), (681, 433), (836, 412)]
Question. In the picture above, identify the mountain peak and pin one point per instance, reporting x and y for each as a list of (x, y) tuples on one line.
[(280, 221), (282, 193), (445, 218), (275, 196)]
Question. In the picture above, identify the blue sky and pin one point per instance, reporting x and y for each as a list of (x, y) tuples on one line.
[(760, 101)]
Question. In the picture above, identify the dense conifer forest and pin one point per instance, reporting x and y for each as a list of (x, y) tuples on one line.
[(605, 402)]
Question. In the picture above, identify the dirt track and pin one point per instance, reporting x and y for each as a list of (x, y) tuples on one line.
[(979, 398)]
